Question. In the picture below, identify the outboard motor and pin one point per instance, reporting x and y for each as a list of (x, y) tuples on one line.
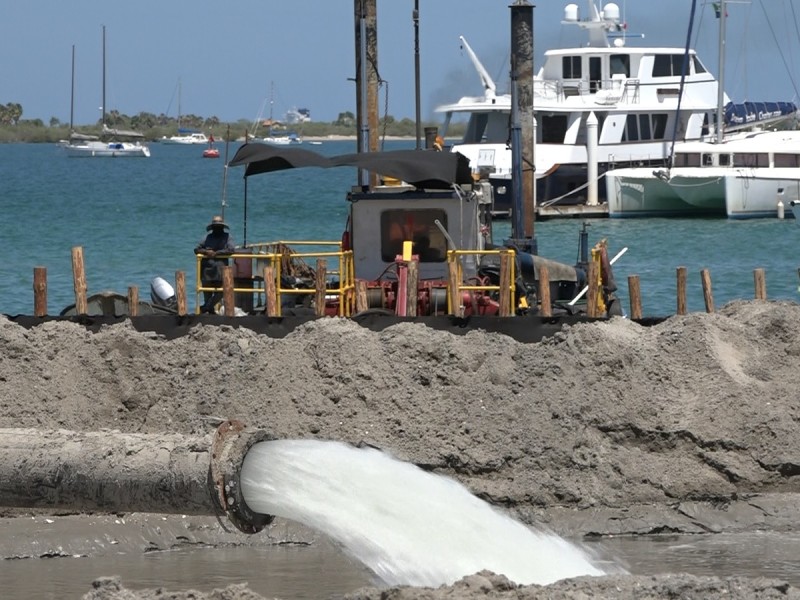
[(162, 293)]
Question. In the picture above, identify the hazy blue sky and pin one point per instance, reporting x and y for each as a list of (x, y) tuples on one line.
[(227, 53)]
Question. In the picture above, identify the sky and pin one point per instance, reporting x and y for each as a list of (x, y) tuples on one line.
[(228, 56)]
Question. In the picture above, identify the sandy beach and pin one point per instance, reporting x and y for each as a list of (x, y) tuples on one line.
[(605, 428)]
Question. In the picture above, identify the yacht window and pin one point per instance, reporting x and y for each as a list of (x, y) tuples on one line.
[(668, 65), (418, 226), (698, 66), (476, 128), (751, 159), (644, 127), (620, 64), (687, 159), (787, 160), (554, 129), (724, 160), (595, 73), (631, 133), (659, 126), (571, 66), (708, 160)]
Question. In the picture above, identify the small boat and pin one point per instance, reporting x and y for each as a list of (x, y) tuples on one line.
[(211, 151)]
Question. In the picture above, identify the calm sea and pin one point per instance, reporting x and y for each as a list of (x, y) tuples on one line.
[(141, 218)]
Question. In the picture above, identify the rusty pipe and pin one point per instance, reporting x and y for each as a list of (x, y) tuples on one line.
[(111, 471)]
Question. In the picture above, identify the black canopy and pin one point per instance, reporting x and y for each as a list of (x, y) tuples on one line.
[(263, 158), (421, 168)]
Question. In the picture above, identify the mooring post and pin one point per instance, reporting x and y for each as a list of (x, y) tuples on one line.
[(79, 281), (760, 280), (362, 303), (681, 287), (705, 276), (412, 282), (180, 292), (635, 294), (545, 303), (133, 301), (453, 281), (270, 292), (594, 288), (40, 291), (228, 304), (506, 308), (320, 287)]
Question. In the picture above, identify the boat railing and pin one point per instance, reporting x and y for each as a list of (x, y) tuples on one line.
[(617, 90), (261, 266), (458, 283)]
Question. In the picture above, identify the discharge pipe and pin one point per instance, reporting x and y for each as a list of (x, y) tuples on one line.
[(130, 472)]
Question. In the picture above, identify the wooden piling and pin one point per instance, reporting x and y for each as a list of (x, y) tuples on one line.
[(79, 281), (133, 301), (321, 287), (180, 292), (545, 303), (228, 303), (635, 293), (681, 290), (362, 303), (270, 292), (39, 291), (412, 281), (705, 276), (592, 309), (760, 282), (453, 292), (506, 310)]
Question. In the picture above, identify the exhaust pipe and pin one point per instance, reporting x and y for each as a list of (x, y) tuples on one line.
[(130, 472)]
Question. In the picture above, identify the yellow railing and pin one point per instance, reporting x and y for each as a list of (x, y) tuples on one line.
[(287, 263), (457, 284)]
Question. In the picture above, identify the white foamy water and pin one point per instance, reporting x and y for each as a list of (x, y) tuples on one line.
[(409, 526)]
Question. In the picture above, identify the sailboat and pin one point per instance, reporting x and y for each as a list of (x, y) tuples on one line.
[(741, 175), (271, 138), (185, 136), (110, 142)]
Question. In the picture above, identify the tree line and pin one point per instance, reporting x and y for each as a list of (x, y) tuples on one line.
[(13, 128)]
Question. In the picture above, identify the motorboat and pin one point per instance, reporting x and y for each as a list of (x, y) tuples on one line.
[(186, 137), (281, 140), (637, 95)]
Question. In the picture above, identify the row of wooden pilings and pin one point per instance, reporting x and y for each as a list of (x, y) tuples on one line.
[(506, 303)]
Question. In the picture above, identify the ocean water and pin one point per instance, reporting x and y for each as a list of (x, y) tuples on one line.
[(140, 218)]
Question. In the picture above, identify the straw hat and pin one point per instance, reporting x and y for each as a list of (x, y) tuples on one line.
[(216, 221)]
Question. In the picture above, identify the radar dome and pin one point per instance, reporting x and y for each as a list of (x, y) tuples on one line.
[(571, 12), (611, 12)]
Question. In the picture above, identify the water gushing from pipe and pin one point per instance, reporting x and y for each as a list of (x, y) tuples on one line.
[(409, 526)]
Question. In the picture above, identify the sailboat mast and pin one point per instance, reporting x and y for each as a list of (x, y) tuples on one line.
[(721, 79), (103, 107), (72, 94)]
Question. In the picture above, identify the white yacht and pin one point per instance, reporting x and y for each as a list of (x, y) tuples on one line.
[(739, 176), (633, 93), (751, 175), (186, 137), (111, 143)]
